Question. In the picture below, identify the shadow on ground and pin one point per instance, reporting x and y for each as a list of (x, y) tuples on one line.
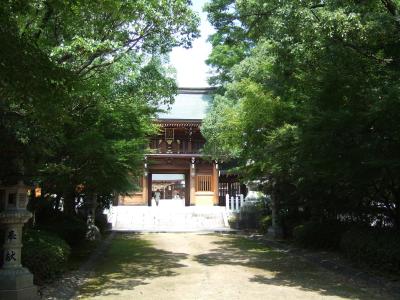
[(128, 262), (287, 270)]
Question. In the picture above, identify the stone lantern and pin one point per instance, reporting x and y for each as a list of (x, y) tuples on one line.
[(16, 282), (252, 194)]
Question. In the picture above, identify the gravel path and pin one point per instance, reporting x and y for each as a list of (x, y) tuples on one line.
[(213, 266)]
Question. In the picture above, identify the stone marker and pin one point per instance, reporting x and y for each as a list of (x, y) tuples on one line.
[(16, 282)]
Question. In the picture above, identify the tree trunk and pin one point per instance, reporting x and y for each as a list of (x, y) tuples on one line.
[(276, 229), (69, 201)]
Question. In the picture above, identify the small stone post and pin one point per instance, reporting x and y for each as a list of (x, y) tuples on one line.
[(237, 208), (227, 202), (16, 282), (241, 200)]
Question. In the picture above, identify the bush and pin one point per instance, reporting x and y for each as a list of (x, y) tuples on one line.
[(377, 248), (265, 223), (69, 228), (319, 235), (233, 221), (251, 213), (44, 254)]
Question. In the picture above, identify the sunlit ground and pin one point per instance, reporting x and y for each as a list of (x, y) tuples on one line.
[(200, 266)]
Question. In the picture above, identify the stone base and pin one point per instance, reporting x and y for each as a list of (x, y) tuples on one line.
[(204, 199), (204, 202), (17, 284), (30, 293)]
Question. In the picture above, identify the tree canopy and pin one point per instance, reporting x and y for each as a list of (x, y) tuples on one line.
[(308, 102), (80, 84)]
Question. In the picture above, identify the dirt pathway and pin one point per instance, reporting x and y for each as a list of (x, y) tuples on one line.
[(212, 266)]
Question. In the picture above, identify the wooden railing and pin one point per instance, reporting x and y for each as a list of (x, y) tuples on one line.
[(234, 203), (176, 147), (204, 183)]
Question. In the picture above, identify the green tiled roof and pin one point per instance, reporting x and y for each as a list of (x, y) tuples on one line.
[(190, 104)]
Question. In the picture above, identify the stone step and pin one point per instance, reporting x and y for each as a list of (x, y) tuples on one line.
[(190, 218)]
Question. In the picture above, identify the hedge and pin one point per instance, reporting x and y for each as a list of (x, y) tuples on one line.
[(377, 248), (69, 228), (320, 235), (44, 254)]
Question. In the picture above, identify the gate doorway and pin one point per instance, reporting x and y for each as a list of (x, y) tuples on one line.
[(168, 189)]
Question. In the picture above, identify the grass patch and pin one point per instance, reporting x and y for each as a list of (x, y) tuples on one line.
[(80, 254)]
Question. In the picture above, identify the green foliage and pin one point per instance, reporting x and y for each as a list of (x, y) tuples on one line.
[(44, 254), (86, 36), (30, 116), (80, 83), (265, 223), (320, 235), (69, 228), (230, 44), (309, 103), (377, 248), (251, 214)]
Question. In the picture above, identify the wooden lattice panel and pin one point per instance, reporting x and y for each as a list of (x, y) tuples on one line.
[(204, 183)]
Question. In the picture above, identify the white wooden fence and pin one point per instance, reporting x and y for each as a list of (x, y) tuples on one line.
[(234, 203)]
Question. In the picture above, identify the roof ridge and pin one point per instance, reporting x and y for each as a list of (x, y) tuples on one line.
[(195, 90)]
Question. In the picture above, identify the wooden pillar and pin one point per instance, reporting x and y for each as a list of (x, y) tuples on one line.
[(215, 178), (192, 182), (145, 191), (187, 188), (116, 199)]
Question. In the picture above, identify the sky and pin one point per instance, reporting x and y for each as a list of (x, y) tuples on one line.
[(190, 64)]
